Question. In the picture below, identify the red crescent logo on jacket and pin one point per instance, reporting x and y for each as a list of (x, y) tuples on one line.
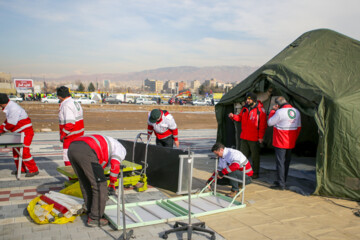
[(291, 113)]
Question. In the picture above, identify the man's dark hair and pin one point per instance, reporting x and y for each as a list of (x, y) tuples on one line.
[(63, 92), (217, 147), (280, 101), (252, 96), (3, 98)]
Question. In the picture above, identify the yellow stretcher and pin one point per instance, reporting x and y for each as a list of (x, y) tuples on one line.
[(131, 176)]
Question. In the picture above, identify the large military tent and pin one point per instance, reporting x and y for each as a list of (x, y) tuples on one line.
[(319, 73)]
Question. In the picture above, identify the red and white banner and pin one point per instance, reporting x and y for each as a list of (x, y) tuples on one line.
[(23, 83)]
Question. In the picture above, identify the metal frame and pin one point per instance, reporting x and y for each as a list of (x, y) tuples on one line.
[(242, 191), (146, 149), (14, 140), (181, 191), (125, 235), (174, 209), (190, 227)]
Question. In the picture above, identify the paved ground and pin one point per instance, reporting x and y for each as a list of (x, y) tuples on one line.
[(270, 214)]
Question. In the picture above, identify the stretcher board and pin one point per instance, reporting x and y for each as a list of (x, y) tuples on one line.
[(14, 140), (69, 171), (10, 139), (169, 210)]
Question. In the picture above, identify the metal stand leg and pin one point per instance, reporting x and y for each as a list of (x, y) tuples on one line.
[(125, 235), (20, 161), (21, 156), (189, 227)]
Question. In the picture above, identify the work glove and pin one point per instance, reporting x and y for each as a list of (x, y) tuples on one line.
[(207, 185), (220, 174), (111, 189)]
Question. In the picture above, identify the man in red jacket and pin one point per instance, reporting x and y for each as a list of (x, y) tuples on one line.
[(287, 125), (89, 155), (253, 125), (230, 164), (163, 124), (18, 121), (71, 120)]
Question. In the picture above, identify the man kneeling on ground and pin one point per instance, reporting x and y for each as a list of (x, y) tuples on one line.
[(230, 162)]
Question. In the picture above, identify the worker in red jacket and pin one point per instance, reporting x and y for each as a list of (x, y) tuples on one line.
[(162, 123), (230, 161), (89, 155), (253, 125), (18, 121), (71, 120), (287, 125)]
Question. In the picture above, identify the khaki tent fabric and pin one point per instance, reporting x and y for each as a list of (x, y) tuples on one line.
[(319, 73)]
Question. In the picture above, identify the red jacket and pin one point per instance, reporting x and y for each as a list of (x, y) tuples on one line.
[(287, 125), (253, 122), (165, 127), (71, 121), (16, 120), (108, 150), (231, 161)]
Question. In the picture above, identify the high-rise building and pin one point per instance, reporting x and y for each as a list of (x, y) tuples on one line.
[(153, 85), (158, 86), (181, 86), (149, 85), (195, 85), (106, 84), (212, 82), (170, 86)]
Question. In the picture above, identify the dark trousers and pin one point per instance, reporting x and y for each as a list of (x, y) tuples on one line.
[(251, 148), (91, 177), (283, 158), (234, 184), (165, 142)]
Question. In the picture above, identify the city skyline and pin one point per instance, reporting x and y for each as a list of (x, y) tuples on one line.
[(59, 38)]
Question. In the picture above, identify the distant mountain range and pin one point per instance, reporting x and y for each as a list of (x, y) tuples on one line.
[(223, 74)]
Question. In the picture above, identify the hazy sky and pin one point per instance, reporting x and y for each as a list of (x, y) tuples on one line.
[(63, 37)]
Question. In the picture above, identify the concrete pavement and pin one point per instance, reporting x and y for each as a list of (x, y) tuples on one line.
[(269, 214)]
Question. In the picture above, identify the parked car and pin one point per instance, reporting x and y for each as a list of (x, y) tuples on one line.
[(200, 103), (112, 100), (145, 101), (208, 100), (84, 100), (15, 98), (50, 99), (164, 102)]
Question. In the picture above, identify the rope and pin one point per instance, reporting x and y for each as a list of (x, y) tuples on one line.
[(355, 211)]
